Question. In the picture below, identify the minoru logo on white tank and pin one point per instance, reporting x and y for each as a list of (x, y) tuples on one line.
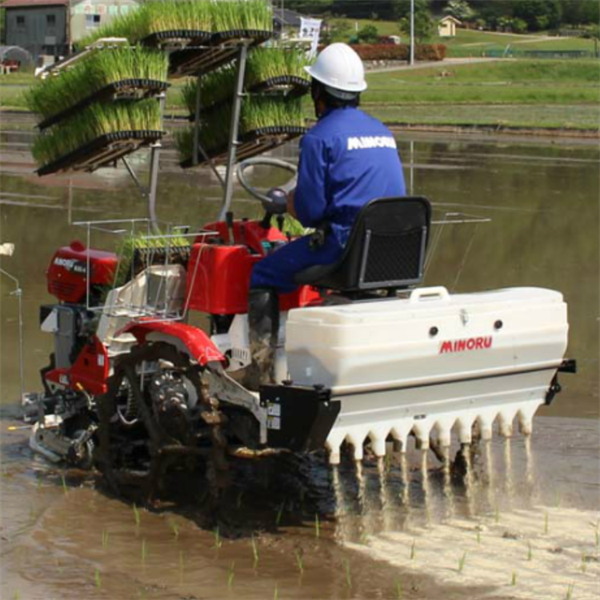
[(365, 142)]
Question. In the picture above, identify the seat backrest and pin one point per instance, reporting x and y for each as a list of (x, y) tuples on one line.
[(386, 247)]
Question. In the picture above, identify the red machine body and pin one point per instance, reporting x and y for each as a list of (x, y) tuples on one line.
[(67, 273), (219, 275)]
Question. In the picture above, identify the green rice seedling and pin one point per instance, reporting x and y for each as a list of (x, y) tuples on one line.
[(299, 562), (529, 551), (174, 528), (261, 112), (276, 593), (64, 483), (546, 524), (461, 562), (348, 574), (218, 541), (268, 63), (513, 579), (478, 536), (413, 550), (144, 551), (58, 93), (364, 538), (104, 539), (215, 87), (157, 16), (317, 526), (279, 514), (569, 593), (254, 551), (97, 579), (583, 562), (230, 574), (17, 595), (398, 589), (95, 121), (136, 516)]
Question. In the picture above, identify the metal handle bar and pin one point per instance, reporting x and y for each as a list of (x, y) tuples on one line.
[(267, 162)]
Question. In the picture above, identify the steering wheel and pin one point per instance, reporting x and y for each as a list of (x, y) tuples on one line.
[(275, 200)]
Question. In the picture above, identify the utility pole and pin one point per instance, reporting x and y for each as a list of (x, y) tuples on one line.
[(412, 32)]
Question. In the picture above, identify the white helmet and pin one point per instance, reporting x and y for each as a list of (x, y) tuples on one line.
[(340, 69)]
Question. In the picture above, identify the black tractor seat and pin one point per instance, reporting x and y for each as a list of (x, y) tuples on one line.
[(385, 249)]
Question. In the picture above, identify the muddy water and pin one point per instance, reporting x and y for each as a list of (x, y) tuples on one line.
[(72, 540)]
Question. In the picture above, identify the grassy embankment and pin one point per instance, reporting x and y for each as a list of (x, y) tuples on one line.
[(472, 43), (508, 93)]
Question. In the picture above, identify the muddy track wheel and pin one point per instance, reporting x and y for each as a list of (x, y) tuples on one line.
[(157, 416)]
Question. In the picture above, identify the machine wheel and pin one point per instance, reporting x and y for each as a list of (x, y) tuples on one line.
[(156, 417)]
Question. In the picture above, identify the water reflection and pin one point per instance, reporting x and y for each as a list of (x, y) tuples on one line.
[(542, 199)]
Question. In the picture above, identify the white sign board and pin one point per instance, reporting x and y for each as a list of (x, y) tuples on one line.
[(311, 29)]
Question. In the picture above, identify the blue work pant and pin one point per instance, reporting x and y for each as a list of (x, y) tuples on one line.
[(277, 270)]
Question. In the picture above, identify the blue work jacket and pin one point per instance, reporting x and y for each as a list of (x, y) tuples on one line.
[(347, 159)]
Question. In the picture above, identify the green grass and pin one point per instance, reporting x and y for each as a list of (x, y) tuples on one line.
[(542, 93)]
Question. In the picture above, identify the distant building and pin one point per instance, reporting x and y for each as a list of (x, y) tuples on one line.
[(447, 26), (52, 26)]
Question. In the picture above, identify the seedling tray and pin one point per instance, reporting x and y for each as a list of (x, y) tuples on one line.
[(137, 88), (102, 151), (222, 48), (253, 143), (291, 84), (179, 37)]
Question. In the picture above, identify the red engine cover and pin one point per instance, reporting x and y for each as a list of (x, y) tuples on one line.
[(218, 281), (66, 275)]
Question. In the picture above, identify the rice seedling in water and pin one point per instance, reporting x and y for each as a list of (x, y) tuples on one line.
[(218, 541), (276, 593), (478, 536), (583, 562), (53, 95), (348, 574), (529, 551), (174, 528), (17, 595), (136, 516), (513, 580), (317, 526), (64, 483), (413, 550), (398, 589), (461, 562), (104, 538), (546, 523), (254, 551), (569, 594), (231, 574), (299, 562), (97, 578)]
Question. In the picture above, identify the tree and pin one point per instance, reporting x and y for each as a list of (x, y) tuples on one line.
[(424, 26), (460, 10), (539, 14), (368, 35)]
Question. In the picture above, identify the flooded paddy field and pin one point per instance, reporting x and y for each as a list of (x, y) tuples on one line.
[(522, 523)]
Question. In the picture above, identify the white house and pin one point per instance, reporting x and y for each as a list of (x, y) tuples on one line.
[(447, 26)]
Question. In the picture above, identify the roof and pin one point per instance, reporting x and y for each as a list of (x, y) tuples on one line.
[(450, 18), (287, 17), (33, 3)]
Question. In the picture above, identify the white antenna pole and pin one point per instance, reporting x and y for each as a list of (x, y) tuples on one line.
[(412, 32)]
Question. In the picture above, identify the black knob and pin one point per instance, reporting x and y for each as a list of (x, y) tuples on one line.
[(498, 324), (433, 331)]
